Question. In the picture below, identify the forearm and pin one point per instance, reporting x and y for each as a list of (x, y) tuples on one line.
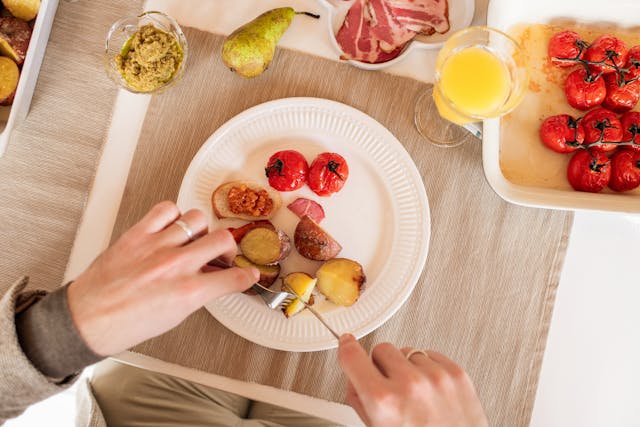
[(41, 351)]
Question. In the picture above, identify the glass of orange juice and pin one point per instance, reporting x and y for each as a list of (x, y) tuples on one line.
[(481, 73)]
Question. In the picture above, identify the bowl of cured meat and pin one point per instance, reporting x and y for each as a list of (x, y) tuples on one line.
[(375, 34)]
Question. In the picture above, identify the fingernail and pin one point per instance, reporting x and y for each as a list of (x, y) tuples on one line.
[(345, 338), (255, 272)]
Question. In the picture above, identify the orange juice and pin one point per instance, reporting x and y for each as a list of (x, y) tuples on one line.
[(477, 84)]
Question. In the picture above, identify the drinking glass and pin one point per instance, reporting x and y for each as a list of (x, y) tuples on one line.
[(481, 73)]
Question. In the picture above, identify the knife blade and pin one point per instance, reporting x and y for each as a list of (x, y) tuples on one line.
[(312, 310)]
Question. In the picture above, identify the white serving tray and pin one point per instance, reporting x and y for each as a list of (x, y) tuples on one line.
[(503, 14), (11, 116)]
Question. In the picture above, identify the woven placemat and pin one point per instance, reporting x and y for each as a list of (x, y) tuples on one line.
[(486, 293), (48, 168)]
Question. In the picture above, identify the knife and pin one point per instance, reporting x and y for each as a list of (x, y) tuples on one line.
[(312, 310)]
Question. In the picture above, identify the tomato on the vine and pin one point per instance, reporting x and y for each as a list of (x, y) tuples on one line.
[(556, 131), (610, 51), (602, 125), (630, 122), (625, 170), (287, 170), (584, 90), (328, 173), (589, 171), (567, 45), (633, 63), (622, 95)]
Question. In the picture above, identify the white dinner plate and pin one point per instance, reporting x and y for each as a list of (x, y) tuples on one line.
[(381, 216), (460, 17)]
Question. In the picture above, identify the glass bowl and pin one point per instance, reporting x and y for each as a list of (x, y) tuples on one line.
[(122, 31)]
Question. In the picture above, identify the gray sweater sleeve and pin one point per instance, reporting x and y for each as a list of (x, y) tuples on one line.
[(50, 339), (23, 380)]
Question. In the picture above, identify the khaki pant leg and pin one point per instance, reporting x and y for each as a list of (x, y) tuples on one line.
[(134, 397), (271, 415)]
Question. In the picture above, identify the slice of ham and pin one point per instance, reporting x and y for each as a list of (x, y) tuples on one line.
[(389, 32), (358, 41), (376, 31), (421, 16), (302, 207)]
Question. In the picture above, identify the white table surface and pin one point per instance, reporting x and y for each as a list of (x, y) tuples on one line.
[(589, 374)]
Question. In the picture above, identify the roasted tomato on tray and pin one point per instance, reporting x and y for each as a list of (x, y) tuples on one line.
[(556, 131), (625, 170), (566, 45), (602, 125), (287, 170), (631, 127), (584, 90), (328, 173), (609, 50), (589, 171)]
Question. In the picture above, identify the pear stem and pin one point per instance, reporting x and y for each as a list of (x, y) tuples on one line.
[(313, 15)]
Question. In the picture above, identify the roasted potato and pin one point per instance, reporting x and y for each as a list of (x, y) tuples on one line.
[(9, 75), (14, 38), (264, 246), (302, 285), (23, 9), (341, 280), (268, 273), (240, 232), (313, 242)]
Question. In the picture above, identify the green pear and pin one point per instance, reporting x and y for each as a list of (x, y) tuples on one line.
[(249, 50)]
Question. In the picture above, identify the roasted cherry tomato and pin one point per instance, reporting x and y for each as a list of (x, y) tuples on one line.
[(633, 63), (566, 45), (602, 125), (287, 170), (328, 173), (584, 90), (622, 94), (556, 131), (610, 51), (589, 171), (631, 127), (625, 170)]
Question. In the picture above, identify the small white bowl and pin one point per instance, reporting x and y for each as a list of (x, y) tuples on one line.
[(460, 16)]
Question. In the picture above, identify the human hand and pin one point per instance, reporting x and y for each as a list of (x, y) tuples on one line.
[(151, 279), (387, 389)]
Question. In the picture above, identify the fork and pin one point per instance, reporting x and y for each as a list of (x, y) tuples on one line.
[(275, 300)]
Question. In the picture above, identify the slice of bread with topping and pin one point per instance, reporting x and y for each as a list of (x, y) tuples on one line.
[(245, 200)]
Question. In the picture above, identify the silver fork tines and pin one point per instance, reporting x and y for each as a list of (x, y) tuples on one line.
[(276, 300), (273, 299)]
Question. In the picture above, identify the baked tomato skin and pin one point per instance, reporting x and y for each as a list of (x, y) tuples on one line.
[(625, 170), (328, 173), (622, 95), (584, 91), (566, 44), (556, 131), (611, 50), (631, 121), (633, 63), (589, 171), (602, 123), (287, 170)]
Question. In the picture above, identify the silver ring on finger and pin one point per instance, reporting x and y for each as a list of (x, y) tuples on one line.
[(414, 352), (188, 231)]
